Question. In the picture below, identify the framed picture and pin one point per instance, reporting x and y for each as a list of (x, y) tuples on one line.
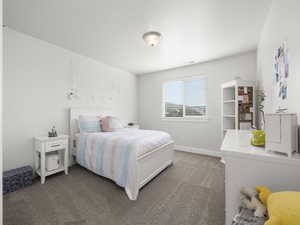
[(280, 79)]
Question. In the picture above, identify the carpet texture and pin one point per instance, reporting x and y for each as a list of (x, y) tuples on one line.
[(191, 192)]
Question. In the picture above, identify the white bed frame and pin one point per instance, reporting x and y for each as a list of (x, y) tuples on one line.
[(150, 164)]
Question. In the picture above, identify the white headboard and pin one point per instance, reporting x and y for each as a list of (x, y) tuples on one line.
[(75, 113)]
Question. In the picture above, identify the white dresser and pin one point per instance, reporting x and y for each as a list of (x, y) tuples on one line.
[(246, 165)]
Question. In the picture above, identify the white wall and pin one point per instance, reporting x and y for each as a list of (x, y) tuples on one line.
[(37, 77), (282, 25), (205, 135)]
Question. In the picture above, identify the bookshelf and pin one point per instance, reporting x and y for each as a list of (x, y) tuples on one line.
[(238, 105)]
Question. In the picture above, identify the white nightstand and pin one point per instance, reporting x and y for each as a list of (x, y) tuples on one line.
[(44, 145)]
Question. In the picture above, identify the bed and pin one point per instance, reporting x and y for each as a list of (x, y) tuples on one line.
[(129, 157)]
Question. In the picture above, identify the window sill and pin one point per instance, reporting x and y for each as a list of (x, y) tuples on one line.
[(185, 119)]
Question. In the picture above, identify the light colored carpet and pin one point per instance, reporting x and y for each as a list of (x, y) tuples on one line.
[(191, 192)]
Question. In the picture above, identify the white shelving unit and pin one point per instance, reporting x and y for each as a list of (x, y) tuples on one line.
[(238, 105)]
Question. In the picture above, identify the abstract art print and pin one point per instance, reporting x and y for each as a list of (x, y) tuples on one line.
[(281, 76)]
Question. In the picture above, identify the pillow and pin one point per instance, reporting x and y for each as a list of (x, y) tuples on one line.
[(110, 124), (283, 207), (89, 124)]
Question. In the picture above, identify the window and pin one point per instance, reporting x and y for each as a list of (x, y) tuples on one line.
[(185, 98)]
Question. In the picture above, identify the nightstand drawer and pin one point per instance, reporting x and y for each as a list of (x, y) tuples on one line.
[(56, 145)]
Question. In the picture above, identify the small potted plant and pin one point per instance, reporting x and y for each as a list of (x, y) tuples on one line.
[(258, 136), (261, 114)]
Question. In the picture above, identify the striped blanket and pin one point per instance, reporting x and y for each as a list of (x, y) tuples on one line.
[(114, 155)]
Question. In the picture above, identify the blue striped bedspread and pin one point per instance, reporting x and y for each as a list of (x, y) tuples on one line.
[(114, 155)]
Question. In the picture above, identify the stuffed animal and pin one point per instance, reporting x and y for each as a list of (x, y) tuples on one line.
[(263, 194), (250, 200), (283, 207)]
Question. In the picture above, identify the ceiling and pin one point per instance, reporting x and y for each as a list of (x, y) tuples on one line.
[(111, 30)]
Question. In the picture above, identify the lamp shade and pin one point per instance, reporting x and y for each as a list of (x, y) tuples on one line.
[(152, 38)]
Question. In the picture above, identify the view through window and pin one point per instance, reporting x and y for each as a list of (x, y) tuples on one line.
[(185, 98)]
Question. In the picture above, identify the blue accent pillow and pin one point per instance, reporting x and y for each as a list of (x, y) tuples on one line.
[(89, 124)]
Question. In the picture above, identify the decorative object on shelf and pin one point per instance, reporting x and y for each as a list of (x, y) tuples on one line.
[(281, 75), (280, 110), (53, 132), (258, 138), (16, 179), (245, 106)]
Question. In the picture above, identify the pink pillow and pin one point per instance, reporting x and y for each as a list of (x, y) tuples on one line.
[(110, 124)]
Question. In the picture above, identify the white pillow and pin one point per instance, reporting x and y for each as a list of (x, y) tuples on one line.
[(89, 124)]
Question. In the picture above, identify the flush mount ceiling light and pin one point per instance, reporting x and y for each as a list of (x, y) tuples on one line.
[(152, 38)]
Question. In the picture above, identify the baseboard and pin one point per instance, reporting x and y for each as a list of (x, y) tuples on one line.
[(201, 151)]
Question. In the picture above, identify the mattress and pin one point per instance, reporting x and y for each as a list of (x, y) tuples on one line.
[(148, 139)]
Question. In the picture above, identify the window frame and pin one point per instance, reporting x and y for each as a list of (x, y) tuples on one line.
[(184, 117)]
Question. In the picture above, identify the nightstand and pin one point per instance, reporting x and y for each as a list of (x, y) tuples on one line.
[(48, 145)]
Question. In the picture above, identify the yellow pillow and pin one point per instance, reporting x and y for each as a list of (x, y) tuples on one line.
[(284, 208)]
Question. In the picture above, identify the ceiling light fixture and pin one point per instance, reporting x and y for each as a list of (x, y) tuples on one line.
[(152, 38)]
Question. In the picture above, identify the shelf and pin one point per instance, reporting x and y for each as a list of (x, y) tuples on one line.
[(229, 101), (245, 121), (229, 116), (248, 103), (48, 173), (234, 113)]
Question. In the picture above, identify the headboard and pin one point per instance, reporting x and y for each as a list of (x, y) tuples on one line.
[(75, 113)]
